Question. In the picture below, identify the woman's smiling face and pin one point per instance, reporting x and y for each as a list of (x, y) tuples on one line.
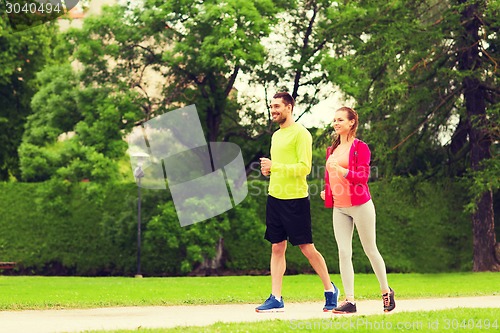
[(341, 123)]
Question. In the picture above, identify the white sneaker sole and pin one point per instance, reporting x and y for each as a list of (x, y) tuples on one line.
[(270, 310)]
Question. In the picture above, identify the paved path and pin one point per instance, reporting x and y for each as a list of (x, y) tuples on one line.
[(53, 321)]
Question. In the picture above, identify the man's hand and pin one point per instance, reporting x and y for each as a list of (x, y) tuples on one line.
[(265, 166)]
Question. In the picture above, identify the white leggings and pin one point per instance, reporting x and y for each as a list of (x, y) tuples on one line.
[(344, 220)]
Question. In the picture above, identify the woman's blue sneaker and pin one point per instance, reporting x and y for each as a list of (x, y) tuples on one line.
[(331, 299), (271, 305)]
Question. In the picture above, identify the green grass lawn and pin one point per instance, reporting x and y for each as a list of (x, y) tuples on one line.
[(455, 320), (21, 293)]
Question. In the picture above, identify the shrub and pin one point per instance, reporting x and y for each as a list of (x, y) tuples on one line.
[(90, 229)]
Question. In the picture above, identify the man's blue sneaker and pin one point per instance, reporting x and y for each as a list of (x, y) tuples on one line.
[(271, 305), (331, 298)]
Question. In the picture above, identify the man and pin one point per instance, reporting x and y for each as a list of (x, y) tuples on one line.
[(288, 214)]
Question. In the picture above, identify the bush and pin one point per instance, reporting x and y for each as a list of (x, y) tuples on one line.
[(58, 228), (88, 229), (422, 226)]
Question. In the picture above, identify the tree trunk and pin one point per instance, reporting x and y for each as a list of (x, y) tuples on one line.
[(484, 235), (483, 223), (212, 266)]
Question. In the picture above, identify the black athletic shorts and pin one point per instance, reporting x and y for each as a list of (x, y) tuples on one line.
[(288, 220)]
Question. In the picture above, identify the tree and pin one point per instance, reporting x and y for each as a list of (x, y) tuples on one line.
[(22, 55), (296, 49), (77, 132), (421, 71), (480, 88), (135, 62)]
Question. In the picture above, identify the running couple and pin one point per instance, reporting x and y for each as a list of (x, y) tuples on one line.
[(288, 215)]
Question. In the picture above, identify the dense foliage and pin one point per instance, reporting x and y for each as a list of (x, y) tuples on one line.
[(422, 75), (22, 55), (420, 229)]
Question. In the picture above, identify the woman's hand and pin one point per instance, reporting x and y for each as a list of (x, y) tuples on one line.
[(333, 164), (322, 194)]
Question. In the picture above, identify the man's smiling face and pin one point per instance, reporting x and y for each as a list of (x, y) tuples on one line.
[(279, 111)]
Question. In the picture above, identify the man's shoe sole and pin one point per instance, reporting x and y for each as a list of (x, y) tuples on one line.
[(270, 310)]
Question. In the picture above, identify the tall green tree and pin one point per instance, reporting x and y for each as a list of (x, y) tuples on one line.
[(478, 61), (299, 42), (424, 75), (22, 55), (173, 53), (137, 61), (76, 132), (158, 56), (297, 46), (212, 43)]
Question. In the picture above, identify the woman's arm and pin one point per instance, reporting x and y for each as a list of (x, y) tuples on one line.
[(361, 164)]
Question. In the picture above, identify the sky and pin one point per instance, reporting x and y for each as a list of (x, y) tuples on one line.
[(321, 114)]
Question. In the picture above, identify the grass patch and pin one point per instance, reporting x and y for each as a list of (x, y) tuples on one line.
[(455, 320), (22, 292)]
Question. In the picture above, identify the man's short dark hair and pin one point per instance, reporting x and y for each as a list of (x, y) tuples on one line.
[(286, 97)]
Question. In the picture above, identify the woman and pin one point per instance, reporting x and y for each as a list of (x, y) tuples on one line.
[(346, 178)]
